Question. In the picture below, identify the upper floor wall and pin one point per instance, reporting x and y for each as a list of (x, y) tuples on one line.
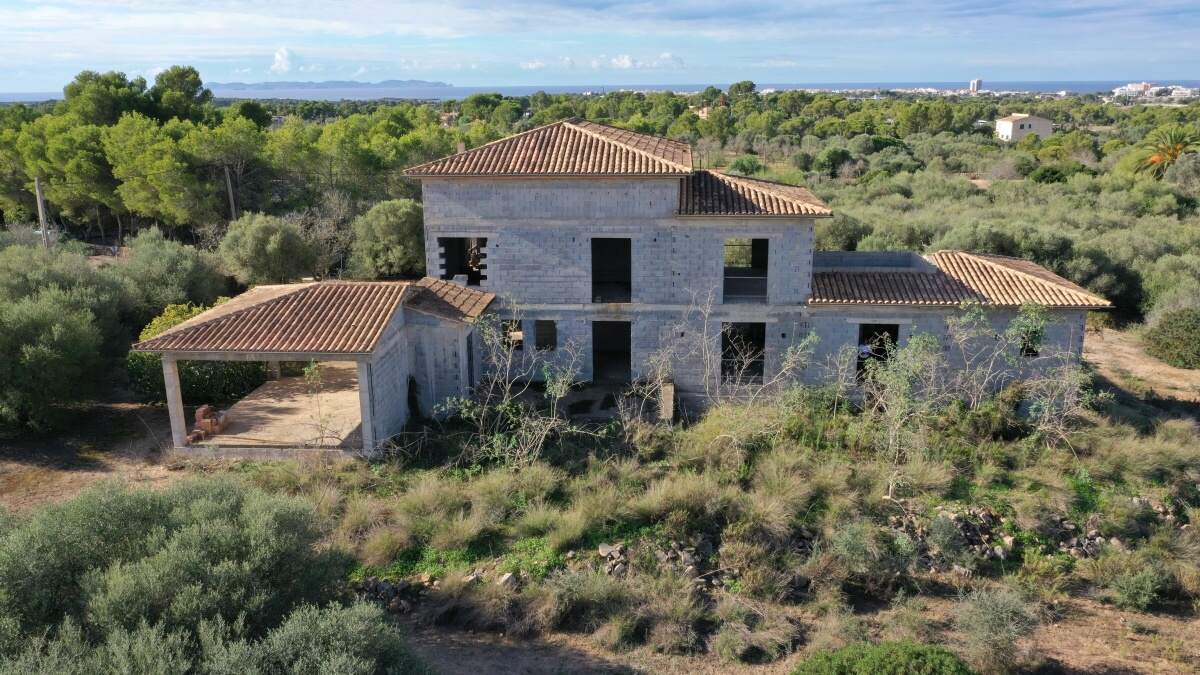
[(539, 234)]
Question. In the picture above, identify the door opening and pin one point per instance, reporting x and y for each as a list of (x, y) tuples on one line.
[(611, 352)]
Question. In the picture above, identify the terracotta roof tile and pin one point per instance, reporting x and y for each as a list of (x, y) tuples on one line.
[(1002, 280), (568, 148), (709, 193), (959, 277), (449, 300), (888, 287), (329, 317)]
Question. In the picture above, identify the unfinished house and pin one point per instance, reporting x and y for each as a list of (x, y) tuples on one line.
[(613, 242), (377, 353)]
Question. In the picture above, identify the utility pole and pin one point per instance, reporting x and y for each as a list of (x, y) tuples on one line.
[(229, 188), (37, 189)]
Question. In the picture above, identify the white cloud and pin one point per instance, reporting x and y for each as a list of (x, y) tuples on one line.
[(241, 71), (362, 70), (567, 62), (311, 68), (533, 65), (283, 61), (624, 62)]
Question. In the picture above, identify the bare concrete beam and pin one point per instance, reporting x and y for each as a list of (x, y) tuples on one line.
[(174, 402)]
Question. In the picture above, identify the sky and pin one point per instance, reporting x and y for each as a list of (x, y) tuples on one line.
[(583, 42)]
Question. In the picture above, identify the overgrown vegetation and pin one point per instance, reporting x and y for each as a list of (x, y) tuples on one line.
[(757, 530), (206, 576)]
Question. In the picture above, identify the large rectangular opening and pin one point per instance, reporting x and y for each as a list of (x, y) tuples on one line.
[(743, 352), (612, 270), (745, 270), (463, 256), (875, 343), (611, 352)]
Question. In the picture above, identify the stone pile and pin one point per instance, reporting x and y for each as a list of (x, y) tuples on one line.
[(209, 422), (398, 597), (616, 559), (978, 527), (691, 561)]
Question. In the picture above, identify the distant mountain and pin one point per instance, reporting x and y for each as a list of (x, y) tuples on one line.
[(219, 87)]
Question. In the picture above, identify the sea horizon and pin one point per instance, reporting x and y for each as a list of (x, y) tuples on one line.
[(436, 91)]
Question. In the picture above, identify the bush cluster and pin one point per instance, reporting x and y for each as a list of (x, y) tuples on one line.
[(205, 576), (1173, 338), (200, 381)]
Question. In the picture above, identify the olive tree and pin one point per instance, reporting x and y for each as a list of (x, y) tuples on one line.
[(389, 240), (262, 249)]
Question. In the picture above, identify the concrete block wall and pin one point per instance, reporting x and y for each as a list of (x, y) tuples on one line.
[(837, 327), (390, 367), (539, 234)]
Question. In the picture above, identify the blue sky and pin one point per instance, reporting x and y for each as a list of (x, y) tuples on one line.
[(477, 43)]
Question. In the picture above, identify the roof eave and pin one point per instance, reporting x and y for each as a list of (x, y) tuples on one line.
[(665, 174), (775, 216)]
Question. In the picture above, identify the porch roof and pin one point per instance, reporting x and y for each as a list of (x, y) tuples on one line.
[(325, 317)]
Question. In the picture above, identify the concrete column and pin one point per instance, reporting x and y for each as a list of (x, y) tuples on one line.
[(174, 401), (365, 400), (273, 369)]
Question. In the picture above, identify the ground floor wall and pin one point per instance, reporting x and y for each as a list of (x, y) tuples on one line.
[(685, 342), (420, 363)]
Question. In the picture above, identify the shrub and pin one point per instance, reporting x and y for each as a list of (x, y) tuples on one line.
[(200, 381), (47, 346), (874, 560), (991, 622), (747, 166), (161, 272), (355, 640), (1138, 589), (389, 241), (1172, 338), (888, 658), (261, 249), (115, 557)]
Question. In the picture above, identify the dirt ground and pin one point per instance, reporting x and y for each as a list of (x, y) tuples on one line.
[(125, 441), (122, 441), (1118, 357), (1089, 638)]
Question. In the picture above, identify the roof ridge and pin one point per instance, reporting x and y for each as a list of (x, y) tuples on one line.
[(187, 325), (570, 122), (470, 151), (746, 180), (270, 302), (985, 258)]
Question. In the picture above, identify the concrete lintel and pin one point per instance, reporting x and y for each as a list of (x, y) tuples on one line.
[(878, 319)]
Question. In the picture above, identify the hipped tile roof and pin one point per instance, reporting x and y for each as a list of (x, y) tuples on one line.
[(329, 317), (709, 193), (957, 277), (572, 147), (1001, 280), (888, 287), (449, 300)]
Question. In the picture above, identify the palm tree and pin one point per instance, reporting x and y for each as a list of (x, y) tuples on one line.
[(1164, 146)]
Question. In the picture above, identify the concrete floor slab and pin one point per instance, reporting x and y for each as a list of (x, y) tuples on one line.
[(285, 413)]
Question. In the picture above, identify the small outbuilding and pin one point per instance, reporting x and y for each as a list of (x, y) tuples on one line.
[(401, 344)]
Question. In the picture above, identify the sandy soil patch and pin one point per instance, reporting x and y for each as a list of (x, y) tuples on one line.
[(1119, 357)]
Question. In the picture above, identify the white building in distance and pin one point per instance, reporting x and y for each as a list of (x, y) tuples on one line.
[(976, 85), (1019, 125)]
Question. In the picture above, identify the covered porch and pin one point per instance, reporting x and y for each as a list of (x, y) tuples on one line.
[(294, 411), (323, 408), (367, 360)]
